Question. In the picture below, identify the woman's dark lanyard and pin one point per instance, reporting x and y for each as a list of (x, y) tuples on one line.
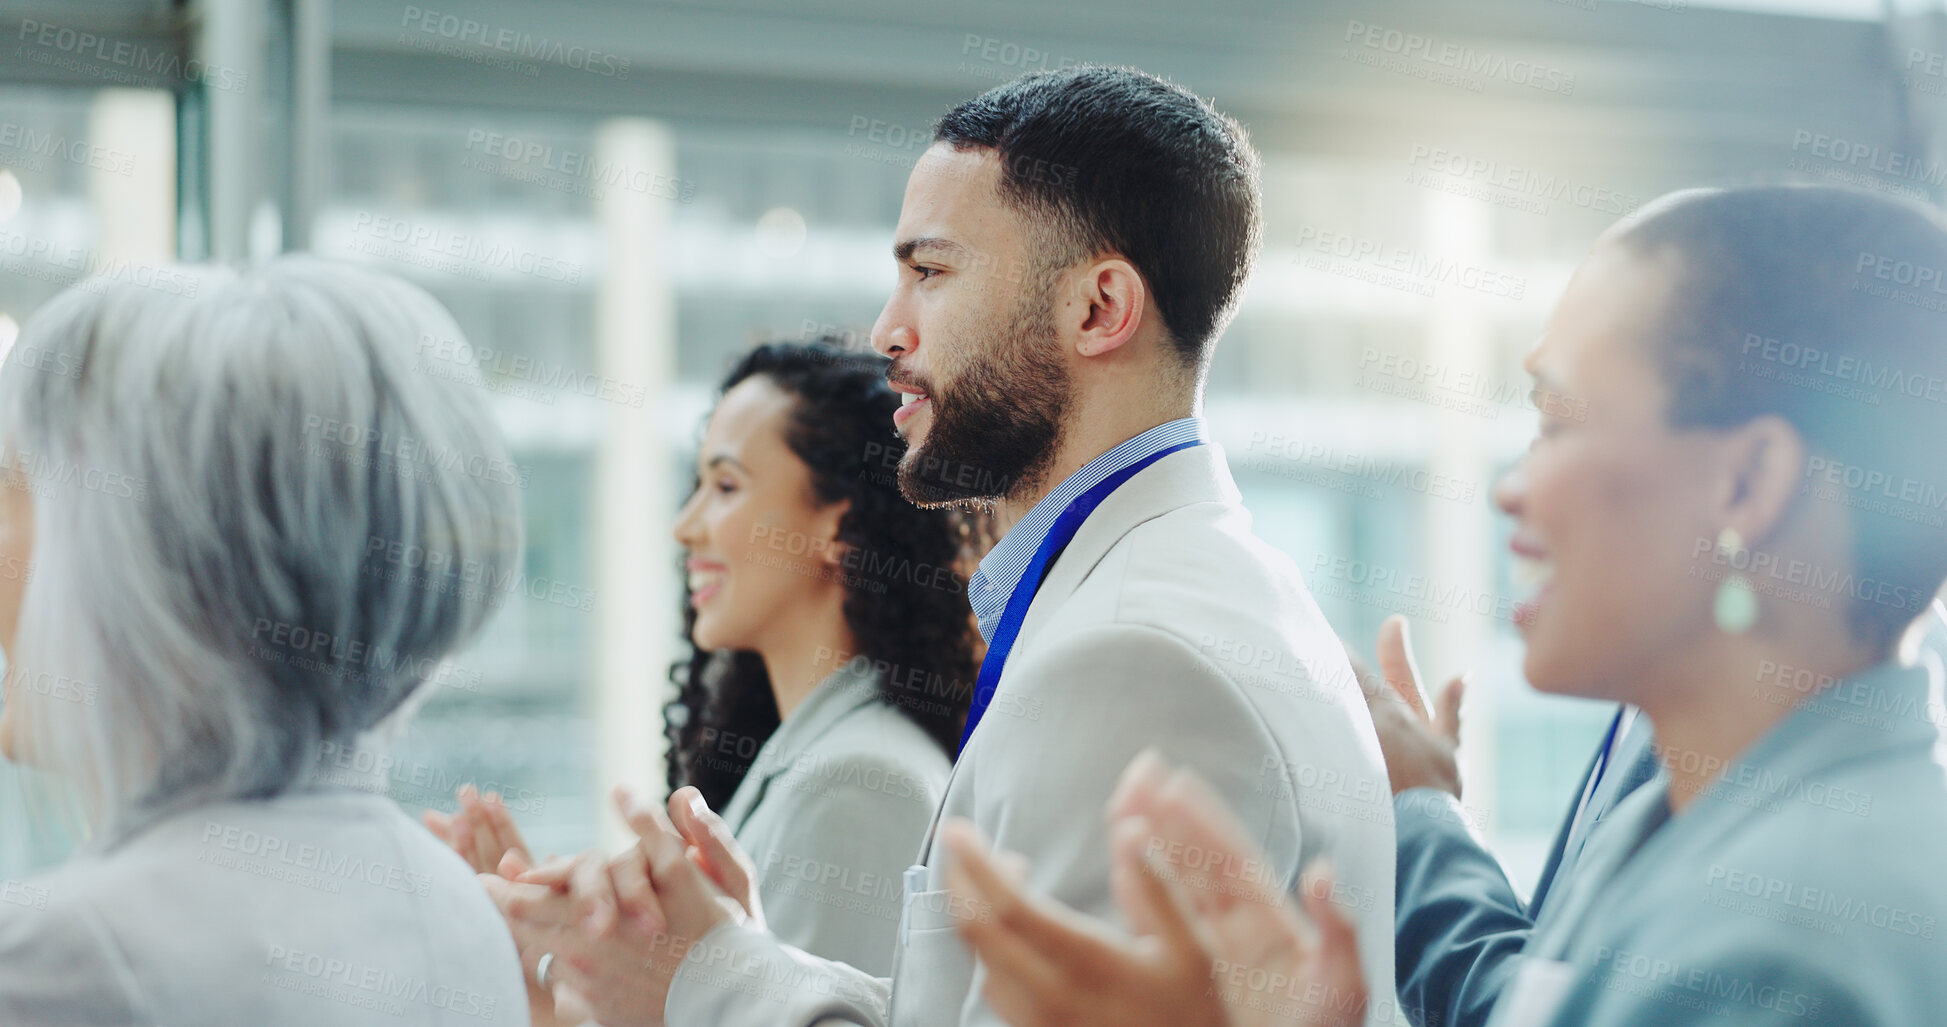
[(1059, 535)]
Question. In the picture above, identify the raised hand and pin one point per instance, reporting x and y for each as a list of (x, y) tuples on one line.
[(711, 847), (481, 830), (1421, 749)]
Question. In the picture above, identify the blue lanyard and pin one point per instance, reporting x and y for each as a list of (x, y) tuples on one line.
[(1059, 535)]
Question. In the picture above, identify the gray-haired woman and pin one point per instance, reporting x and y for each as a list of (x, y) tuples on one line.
[(248, 529)]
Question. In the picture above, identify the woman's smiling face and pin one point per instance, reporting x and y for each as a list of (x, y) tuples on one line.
[(761, 549), (1609, 501)]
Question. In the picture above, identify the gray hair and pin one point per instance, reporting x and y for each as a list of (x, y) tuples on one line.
[(258, 526)]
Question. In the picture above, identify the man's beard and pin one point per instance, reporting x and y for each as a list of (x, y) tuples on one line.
[(996, 425)]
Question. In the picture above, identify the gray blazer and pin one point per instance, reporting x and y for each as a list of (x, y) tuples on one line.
[(1804, 887), (832, 813), (324, 907), (1165, 623), (1461, 925)]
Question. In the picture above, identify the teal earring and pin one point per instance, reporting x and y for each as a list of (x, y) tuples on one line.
[(1736, 606)]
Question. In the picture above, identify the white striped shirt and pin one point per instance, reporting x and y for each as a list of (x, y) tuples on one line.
[(1002, 568)]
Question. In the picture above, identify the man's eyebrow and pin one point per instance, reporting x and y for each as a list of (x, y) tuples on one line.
[(903, 250), (724, 458)]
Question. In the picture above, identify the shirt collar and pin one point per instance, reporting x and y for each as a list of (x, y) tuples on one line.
[(1000, 571)]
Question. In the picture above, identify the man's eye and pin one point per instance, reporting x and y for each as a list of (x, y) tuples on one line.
[(924, 272), (726, 486)]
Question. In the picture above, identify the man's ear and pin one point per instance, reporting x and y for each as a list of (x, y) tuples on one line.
[(1107, 306), (1767, 464)]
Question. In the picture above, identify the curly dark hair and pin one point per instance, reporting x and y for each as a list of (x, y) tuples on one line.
[(905, 598)]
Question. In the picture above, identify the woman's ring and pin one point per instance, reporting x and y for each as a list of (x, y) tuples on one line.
[(541, 970)]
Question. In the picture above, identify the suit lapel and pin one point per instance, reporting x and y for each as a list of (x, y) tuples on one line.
[(1556, 852), (1631, 764), (1195, 475), (832, 701)]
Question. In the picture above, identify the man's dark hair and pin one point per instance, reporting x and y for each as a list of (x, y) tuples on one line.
[(1826, 307), (1112, 160)]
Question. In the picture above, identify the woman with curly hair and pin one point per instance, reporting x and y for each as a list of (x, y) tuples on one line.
[(821, 575), (833, 654)]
